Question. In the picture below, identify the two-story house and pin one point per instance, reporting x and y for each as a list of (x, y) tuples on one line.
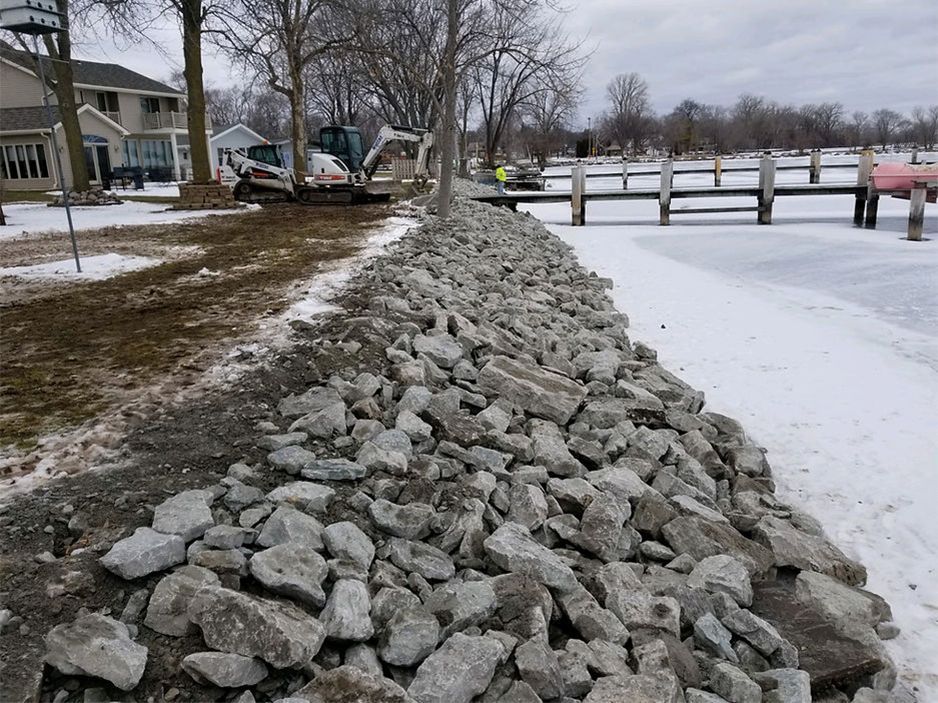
[(127, 119)]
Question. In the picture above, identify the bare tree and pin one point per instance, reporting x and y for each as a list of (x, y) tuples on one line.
[(885, 124), (526, 51), (549, 109), (925, 124), (278, 40), (627, 120), (858, 128)]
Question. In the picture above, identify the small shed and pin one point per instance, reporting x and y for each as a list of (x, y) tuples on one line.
[(236, 136)]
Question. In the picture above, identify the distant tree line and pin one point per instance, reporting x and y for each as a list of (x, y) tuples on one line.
[(752, 122)]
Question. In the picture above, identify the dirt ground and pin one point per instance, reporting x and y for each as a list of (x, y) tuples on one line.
[(176, 447), (72, 352)]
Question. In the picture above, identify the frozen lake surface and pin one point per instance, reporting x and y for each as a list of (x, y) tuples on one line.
[(823, 340)]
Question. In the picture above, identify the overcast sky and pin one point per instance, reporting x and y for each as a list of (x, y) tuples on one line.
[(865, 54)]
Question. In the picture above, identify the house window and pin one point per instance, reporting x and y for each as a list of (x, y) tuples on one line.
[(149, 105), (156, 153), (22, 161), (107, 102), (130, 153)]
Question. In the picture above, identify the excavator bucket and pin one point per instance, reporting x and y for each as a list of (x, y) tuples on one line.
[(377, 192)]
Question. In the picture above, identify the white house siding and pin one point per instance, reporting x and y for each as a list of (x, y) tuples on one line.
[(237, 138), (90, 123), (19, 88)]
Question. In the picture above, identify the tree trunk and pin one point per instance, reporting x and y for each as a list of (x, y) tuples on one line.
[(448, 147), (298, 124), (60, 52), (191, 11)]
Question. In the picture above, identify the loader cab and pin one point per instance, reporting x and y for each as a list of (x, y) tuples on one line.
[(267, 154), (344, 143)]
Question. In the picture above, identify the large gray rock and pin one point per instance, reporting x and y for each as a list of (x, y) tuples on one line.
[(785, 686), (792, 547), (429, 562), (460, 605), (411, 521), (851, 608), (601, 526), (458, 671), (95, 645), (640, 610), (345, 540), (303, 495), (291, 525), (282, 635), (639, 688), (443, 350), (723, 574), (166, 611), (590, 619), (324, 423), (528, 505), (333, 470), (539, 667), (224, 669), (728, 681), (293, 570), (537, 391), (144, 552), (349, 684), (512, 549), (551, 451), (756, 631), (347, 615), (291, 459), (187, 514), (409, 637), (314, 399), (701, 539), (711, 636)]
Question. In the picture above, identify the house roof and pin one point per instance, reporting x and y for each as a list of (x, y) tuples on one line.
[(222, 131), (105, 75), (13, 119), (26, 119)]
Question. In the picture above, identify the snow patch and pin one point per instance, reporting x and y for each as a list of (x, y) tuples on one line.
[(33, 218), (93, 268)]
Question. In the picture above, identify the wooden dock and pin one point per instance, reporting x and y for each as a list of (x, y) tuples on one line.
[(866, 198)]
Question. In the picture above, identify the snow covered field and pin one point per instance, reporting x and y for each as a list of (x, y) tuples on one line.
[(31, 218), (823, 340)]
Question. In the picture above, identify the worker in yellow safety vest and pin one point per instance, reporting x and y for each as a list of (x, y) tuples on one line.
[(501, 177)]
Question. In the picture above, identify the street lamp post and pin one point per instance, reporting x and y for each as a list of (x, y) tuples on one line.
[(589, 137), (35, 18)]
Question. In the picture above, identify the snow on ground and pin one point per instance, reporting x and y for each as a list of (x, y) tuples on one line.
[(823, 339), (93, 268), (32, 218)]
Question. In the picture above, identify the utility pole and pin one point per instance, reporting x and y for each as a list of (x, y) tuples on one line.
[(589, 137)]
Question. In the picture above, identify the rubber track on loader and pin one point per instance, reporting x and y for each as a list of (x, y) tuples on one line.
[(355, 196)]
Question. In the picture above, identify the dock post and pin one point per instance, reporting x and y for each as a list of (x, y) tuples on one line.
[(625, 174), (914, 154), (916, 214), (814, 168), (766, 195), (664, 194), (576, 199), (717, 170), (864, 201)]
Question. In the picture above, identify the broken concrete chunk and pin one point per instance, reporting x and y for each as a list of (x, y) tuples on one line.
[(187, 514), (535, 390), (458, 671), (224, 669)]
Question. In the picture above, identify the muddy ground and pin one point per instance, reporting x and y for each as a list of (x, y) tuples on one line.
[(83, 346), (186, 446), (73, 352)]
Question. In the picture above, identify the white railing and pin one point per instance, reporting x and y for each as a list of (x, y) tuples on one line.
[(176, 120), (113, 116)]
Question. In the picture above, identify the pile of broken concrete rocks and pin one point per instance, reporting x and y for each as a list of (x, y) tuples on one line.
[(95, 195), (518, 504)]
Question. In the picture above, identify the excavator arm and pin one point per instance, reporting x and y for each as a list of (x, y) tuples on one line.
[(399, 133)]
